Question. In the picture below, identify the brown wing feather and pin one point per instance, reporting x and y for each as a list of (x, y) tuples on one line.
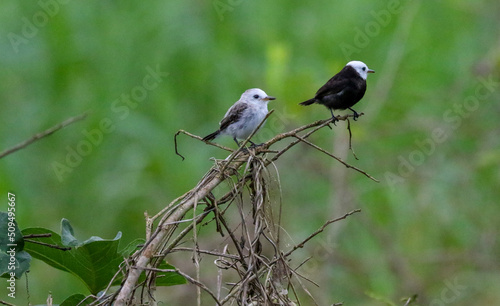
[(233, 115)]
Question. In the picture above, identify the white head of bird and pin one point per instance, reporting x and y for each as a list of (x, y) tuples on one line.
[(256, 96), (360, 68)]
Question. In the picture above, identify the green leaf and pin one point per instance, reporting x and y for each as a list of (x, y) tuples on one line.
[(52, 256), (67, 237), (13, 235), (75, 299), (11, 248), (169, 278), (94, 261), (22, 264), (166, 278), (132, 247)]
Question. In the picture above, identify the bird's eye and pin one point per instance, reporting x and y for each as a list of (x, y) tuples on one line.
[(255, 96), (364, 68)]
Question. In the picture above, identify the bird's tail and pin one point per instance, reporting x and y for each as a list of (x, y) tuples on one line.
[(308, 102), (211, 136)]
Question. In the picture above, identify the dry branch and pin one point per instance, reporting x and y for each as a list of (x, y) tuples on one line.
[(322, 228), (263, 279), (43, 134)]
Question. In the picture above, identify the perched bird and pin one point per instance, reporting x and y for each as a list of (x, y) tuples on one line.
[(244, 116), (344, 89)]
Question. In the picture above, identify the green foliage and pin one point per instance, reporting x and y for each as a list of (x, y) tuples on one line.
[(13, 257), (94, 261), (76, 299), (68, 238), (166, 278)]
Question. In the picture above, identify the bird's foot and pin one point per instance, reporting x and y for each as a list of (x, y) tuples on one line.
[(251, 147), (334, 119), (254, 145), (355, 114)]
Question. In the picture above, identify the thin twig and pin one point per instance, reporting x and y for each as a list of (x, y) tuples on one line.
[(219, 273), (199, 138), (411, 299), (196, 259), (205, 252), (235, 242), (120, 269), (302, 263), (84, 301), (335, 157), (160, 213), (37, 235), (322, 228), (187, 277), (183, 233), (43, 134), (48, 245), (317, 124), (304, 287), (350, 139), (307, 279), (295, 294)]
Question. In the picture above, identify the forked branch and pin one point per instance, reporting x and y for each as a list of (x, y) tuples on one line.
[(262, 279)]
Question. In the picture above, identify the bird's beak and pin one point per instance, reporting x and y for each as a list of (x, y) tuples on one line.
[(268, 98), (371, 71)]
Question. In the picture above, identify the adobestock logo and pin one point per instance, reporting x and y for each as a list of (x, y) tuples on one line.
[(274, 125), (121, 107), (223, 6), (31, 26), (364, 35), (453, 117), (449, 294)]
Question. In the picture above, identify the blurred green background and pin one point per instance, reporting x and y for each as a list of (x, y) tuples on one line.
[(430, 133)]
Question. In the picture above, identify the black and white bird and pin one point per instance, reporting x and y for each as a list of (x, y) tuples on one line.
[(244, 116), (344, 89)]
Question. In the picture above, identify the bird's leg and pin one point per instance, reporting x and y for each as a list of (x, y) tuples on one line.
[(334, 119), (253, 144), (235, 140), (356, 115)]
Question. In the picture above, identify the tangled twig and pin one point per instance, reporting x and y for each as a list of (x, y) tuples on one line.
[(263, 278)]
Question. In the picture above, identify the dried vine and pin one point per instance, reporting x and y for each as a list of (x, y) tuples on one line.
[(264, 278)]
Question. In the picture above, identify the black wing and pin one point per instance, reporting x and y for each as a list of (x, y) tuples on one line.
[(332, 87), (338, 82)]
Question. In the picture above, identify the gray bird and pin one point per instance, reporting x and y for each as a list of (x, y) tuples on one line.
[(244, 116)]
